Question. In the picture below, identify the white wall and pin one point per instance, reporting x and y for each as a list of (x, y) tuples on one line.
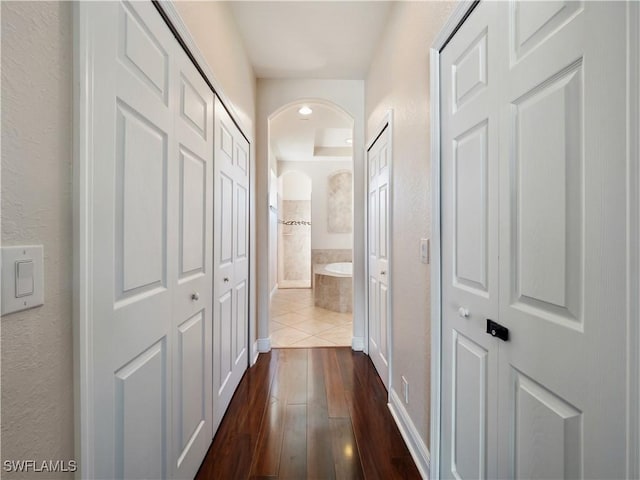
[(37, 152), (214, 30), (399, 79), (319, 171), (272, 95), (295, 185)]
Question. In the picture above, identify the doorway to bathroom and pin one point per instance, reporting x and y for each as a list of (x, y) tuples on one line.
[(311, 226)]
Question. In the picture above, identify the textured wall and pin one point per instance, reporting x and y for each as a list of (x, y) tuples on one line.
[(214, 30), (37, 369), (399, 79)]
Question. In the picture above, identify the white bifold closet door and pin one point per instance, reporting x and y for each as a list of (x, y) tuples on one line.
[(150, 349), (534, 231), (378, 159), (231, 260)]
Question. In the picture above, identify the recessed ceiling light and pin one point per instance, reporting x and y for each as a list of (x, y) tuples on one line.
[(305, 110), (349, 141)]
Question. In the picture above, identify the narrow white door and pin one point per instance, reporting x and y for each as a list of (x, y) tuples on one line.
[(563, 256), (378, 158), (231, 260), (148, 347), (469, 202), (534, 217), (192, 306), (134, 267)]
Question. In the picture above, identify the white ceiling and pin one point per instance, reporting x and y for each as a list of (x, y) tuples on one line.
[(320, 136), (311, 39)]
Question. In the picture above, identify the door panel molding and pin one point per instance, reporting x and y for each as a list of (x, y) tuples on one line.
[(519, 50), (161, 95), (373, 245)]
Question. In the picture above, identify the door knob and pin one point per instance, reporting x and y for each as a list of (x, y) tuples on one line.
[(463, 312), (226, 279), (195, 296)]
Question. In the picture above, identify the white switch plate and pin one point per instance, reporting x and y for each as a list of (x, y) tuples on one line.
[(425, 256), (11, 256)]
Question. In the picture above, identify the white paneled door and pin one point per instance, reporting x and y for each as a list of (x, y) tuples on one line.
[(534, 229), (192, 307), (378, 159), (231, 260), (149, 318)]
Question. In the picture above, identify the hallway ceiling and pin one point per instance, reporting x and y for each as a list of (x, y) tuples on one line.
[(311, 39), (319, 136)]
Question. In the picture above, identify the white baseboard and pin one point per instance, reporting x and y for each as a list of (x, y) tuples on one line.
[(410, 434), (264, 345), (254, 353), (357, 344)]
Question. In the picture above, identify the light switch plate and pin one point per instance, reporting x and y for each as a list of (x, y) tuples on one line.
[(14, 298)]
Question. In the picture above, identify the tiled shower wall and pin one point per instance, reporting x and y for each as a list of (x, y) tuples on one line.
[(294, 257)]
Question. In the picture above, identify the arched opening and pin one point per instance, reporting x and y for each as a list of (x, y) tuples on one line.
[(310, 157)]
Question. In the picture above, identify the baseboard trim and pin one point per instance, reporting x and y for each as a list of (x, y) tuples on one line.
[(410, 434), (357, 344), (254, 353), (264, 345)]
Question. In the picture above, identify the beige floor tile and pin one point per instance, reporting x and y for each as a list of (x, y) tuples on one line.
[(287, 336), (296, 322), (289, 318), (314, 326), (312, 311), (338, 319), (339, 336), (314, 342), (274, 326)]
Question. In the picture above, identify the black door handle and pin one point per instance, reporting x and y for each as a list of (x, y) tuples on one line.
[(496, 330)]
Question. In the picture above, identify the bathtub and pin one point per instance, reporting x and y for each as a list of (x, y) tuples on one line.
[(341, 268), (332, 286)]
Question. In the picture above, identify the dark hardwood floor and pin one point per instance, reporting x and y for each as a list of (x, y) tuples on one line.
[(317, 413)]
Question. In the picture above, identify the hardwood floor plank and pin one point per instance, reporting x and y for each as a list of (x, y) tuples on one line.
[(376, 435), (345, 451), (266, 461), (231, 451), (293, 461), (320, 462), (336, 399), (295, 360)]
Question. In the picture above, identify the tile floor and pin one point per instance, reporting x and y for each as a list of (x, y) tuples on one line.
[(296, 322)]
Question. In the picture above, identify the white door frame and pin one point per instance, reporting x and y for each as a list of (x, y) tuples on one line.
[(458, 16), (83, 221), (386, 122)]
